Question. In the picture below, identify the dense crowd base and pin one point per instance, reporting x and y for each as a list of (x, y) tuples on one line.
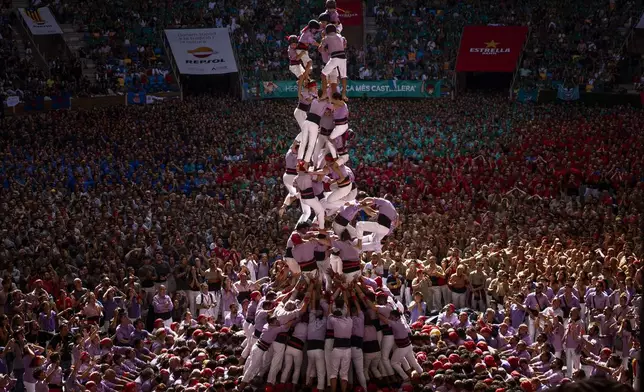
[(526, 217)]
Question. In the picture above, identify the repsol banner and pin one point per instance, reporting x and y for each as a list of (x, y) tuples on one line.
[(202, 51), (361, 88)]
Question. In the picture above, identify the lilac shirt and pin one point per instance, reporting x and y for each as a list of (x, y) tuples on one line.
[(556, 337), (300, 331), (536, 302), (123, 332), (319, 107), (307, 37), (348, 252), (385, 207), (341, 114), (400, 328), (162, 304), (305, 252), (342, 327), (316, 328), (358, 325), (237, 320), (270, 332), (349, 211)]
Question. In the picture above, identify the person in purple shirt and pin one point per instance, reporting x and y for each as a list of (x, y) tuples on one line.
[(342, 326), (346, 214), (553, 377), (403, 348), (387, 219), (555, 329), (234, 317), (357, 338), (305, 41), (315, 336), (258, 358), (517, 310), (537, 300), (573, 338), (163, 306), (295, 59), (124, 331), (311, 129)]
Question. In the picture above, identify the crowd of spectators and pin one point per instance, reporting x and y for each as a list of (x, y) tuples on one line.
[(101, 208), (575, 43)]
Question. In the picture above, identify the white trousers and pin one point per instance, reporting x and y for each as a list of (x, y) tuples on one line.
[(386, 347), (276, 361), (379, 232), (306, 212), (572, 361), (404, 353), (338, 229), (192, 300), (306, 58), (310, 131), (292, 360), (288, 180), (328, 351), (338, 131), (320, 150), (249, 346), (371, 362), (316, 367), (254, 363), (300, 117), (339, 195), (334, 62), (357, 359), (340, 361), (458, 299), (316, 206), (297, 70)]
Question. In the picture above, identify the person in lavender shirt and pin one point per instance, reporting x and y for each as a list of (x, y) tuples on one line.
[(357, 338), (553, 377), (597, 299), (417, 307), (517, 310), (163, 306), (448, 316), (133, 304), (554, 329), (124, 330), (234, 317), (342, 326), (47, 320), (568, 300), (572, 340)]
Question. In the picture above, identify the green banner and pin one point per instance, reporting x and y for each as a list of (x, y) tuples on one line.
[(361, 88)]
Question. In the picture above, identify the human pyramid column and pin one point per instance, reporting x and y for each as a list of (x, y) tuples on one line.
[(323, 252)]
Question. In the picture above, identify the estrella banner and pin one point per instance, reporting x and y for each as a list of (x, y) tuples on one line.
[(40, 21), (490, 48), (61, 101), (361, 88), (136, 98), (37, 103), (528, 95), (568, 94), (350, 12)]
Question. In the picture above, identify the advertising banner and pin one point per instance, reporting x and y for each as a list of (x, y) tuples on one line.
[(136, 98), (350, 12), (202, 51), (40, 21), (362, 88), (490, 48), (568, 94)]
